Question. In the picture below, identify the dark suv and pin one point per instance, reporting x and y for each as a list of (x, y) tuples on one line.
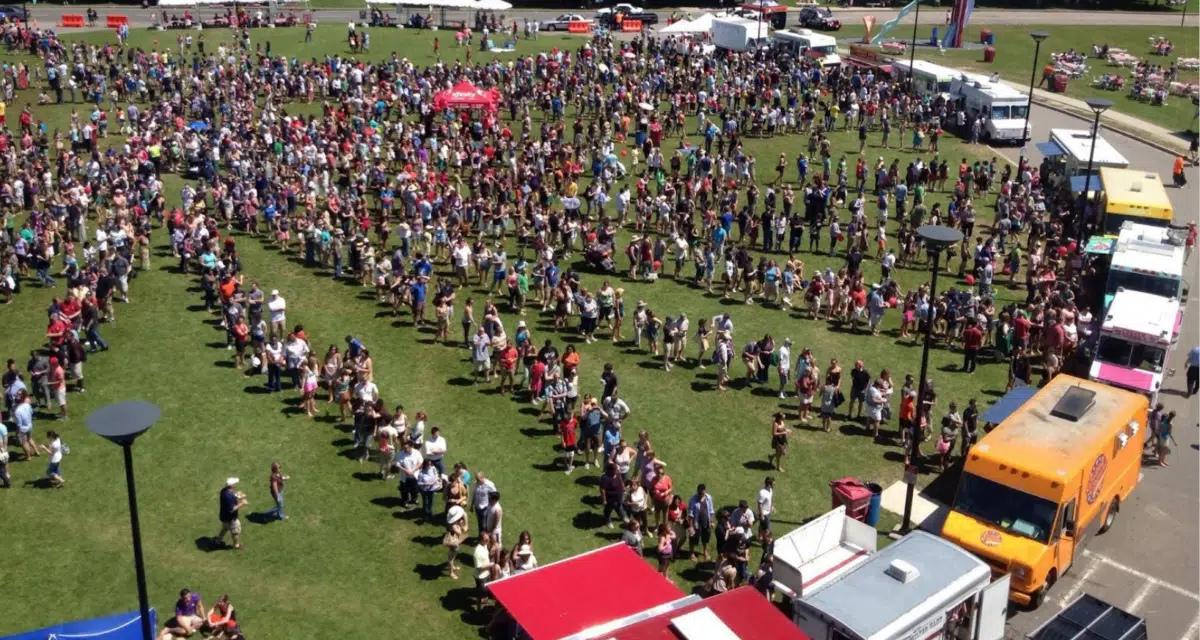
[(820, 18)]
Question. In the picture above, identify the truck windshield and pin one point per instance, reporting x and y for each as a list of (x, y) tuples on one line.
[(1000, 113), (943, 87), (1114, 350), (1018, 111), (1004, 507), (1144, 282), (827, 50)]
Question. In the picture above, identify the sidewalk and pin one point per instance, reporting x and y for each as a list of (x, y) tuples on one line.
[(1161, 137)]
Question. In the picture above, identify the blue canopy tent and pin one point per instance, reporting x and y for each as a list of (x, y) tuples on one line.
[(123, 626), (1007, 405)]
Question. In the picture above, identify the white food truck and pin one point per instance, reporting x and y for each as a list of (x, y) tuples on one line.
[(930, 79), (1147, 259), (1138, 331), (805, 42), (1074, 146), (1003, 108), (919, 588), (739, 34)]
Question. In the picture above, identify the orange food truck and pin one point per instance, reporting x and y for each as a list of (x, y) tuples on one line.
[(1052, 475)]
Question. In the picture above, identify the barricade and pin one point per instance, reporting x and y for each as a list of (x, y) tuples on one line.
[(116, 21), (631, 26), (579, 27), (72, 20)]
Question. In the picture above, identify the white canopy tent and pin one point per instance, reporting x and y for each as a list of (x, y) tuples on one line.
[(703, 24)]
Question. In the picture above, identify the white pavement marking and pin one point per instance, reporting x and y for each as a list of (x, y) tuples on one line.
[(1144, 576), (1190, 634), (1139, 597), (1069, 596)]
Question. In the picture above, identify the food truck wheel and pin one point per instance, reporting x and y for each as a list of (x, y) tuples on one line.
[(1111, 516), (1039, 596)]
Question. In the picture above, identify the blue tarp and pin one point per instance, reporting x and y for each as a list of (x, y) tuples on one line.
[(1008, 404), (1078, 183), (124, 626), (1050, 149)]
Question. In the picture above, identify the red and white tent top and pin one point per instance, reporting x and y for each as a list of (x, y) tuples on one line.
[(740, 614), (561, 599), (465, 95)]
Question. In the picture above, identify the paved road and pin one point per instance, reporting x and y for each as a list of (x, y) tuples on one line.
[(141, 17), (1149, 562)]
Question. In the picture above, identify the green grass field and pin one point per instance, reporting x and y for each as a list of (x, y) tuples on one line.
[(348, 561), (1014, 61)]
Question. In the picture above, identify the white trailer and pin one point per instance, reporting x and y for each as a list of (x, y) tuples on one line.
[(739, 34), (1074, 146), (1004, 109), (920, 588)]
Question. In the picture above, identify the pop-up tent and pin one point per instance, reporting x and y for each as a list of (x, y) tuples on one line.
[(465, 95), (548, 605)]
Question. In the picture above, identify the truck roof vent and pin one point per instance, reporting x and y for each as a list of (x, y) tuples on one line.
[(902, 571), (1074, 403)]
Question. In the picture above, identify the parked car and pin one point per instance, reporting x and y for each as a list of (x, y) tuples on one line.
[(13, 14), (622, 7), (819, 18), (561, 23)]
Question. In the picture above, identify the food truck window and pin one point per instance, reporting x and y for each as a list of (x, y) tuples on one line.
[(1068, 519), (1114, 350), (1144, 282), (1005, 507)]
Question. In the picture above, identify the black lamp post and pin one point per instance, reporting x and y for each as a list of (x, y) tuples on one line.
[(936, 239), (121, 424), (1037, 36), (1098, 106), (912, 58)]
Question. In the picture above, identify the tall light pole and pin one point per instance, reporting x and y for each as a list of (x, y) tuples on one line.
[(1098, 106), (1026, 134), (121, 424), (912, 58), (936, 239)]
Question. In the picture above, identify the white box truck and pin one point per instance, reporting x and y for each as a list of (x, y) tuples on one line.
[(801, 42), (919, 588), (1004, 109), (739, 34)]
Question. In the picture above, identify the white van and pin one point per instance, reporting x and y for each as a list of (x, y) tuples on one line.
[(1004, 109), (801, 42)]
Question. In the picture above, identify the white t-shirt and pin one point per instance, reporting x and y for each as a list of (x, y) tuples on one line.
[(483, 562), (277, 305), (367, 391), (435, 448), (56, 451), (766, 501), (462, 256)]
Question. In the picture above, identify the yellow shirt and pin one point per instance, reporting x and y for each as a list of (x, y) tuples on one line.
[(3, 109), (572, 189)]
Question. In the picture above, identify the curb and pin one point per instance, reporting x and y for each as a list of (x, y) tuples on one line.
[(1115, 125)]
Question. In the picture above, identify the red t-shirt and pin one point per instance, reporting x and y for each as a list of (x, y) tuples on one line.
[(508, 358), (567, 430), (972, 338), (1021, 327), (59, 327)]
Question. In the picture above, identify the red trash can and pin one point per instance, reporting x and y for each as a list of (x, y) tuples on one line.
[(1060, 82), (989, 54), (853, 494), (985, 37)]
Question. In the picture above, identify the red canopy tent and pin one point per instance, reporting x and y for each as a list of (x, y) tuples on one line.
[(465, 95), (744, 612), (548, 605)]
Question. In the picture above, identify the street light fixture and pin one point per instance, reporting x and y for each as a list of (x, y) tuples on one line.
[(1037, 36), (122, 423), (1098, 106), (936, 239)]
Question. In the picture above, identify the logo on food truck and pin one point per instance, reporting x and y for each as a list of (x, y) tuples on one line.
[(1137, 337), (1096, 478), (990, 538)]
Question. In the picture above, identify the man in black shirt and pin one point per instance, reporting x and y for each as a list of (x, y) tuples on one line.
[(609, 377), (231, 501), (860, 379)]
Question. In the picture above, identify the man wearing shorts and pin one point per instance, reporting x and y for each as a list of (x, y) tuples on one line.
[(462, 257), (480, 355), (231, 501), (189, 616), (57, 382)]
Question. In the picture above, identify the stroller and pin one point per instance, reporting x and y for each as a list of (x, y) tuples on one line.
[(599, 256)]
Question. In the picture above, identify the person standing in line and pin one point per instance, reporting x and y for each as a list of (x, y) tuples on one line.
[(456, 533), (409, 463), (766, 506), (56, 381), (5, 481), (612, 495), (56, 449), (483, 568), (277, 312), (276, 485), (701, 516), (435, 450), (494, 518), (479, 499), (1193, 372), (779, 441), (23, 417), (231, 501)]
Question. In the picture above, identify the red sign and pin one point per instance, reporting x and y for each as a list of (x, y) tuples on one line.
[(990, 538), (866, 54), (1129, 335), (1096, 478)]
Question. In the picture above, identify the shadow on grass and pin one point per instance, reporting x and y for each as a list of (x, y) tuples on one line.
[(430, 572), (428, 541), (586, 520), (387, 502), (758, 465), (209, 544), (261, 517), (462, 599), (366, 476), (225, 364), (534, 432)]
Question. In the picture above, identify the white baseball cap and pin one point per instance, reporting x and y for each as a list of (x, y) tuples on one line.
[(230, 481)]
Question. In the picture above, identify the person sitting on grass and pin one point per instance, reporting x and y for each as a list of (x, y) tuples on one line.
[(188, 617)]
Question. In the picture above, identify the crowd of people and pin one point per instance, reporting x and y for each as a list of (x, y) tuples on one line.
[(424, 206)]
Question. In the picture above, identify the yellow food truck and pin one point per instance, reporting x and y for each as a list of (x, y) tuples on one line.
[(1052, 475), (1136, 196)]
